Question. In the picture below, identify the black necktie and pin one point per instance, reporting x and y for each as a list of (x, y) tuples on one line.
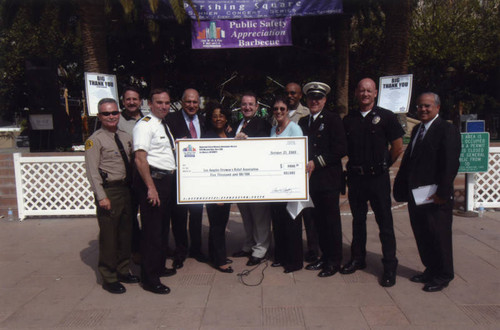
[(124, 157), (419, 138), (170, 139)]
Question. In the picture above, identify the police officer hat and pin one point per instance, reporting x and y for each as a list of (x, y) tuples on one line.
[(315, 88)]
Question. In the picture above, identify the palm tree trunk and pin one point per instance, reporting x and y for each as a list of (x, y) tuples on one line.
[(342, 28), (95, 55)]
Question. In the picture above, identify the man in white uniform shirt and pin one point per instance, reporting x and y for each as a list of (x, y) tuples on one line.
[(155, 186)]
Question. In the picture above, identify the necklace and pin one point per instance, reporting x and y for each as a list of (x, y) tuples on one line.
[(280, 130)]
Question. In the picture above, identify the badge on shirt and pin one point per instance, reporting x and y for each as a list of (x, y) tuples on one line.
[(89, 144), (321, 127), (376, 120), (146, 119)]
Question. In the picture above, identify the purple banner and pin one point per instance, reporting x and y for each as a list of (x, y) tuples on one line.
[(245, 33), (233, 9)]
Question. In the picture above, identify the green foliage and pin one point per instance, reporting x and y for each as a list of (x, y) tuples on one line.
[(454, 51), (34, 30)]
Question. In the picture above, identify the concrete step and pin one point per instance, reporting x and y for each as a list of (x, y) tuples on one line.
[(7, 172), (7, 180), (7, 190), (7, 201)]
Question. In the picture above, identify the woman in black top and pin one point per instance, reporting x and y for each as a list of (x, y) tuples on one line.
[(218, 214)]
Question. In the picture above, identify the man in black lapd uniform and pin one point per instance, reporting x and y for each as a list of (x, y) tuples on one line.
[(327, 146), (369, 132), (187, 124), (431, 159)]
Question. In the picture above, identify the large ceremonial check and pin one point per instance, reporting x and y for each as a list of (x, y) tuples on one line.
[(249, 170)]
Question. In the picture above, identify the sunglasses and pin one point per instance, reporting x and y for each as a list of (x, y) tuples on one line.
[(105, 114), (315, 96), (279, 109)]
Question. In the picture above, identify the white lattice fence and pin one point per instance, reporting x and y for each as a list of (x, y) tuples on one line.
[(52, 186), (487, 184)]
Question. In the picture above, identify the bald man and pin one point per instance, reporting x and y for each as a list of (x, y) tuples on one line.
[(370, 131), (187, 124)]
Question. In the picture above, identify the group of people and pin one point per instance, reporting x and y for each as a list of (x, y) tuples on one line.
[(136, 153)]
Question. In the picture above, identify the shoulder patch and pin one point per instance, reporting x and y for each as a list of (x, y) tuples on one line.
[(89, 144), (146, 119)]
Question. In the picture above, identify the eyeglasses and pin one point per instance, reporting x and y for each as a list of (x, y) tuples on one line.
[(105, 114), (279, 109)]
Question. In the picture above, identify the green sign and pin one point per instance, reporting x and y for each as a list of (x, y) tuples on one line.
[(474, 154)]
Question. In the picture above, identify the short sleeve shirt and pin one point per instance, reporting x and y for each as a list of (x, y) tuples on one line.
[(102, 155), (368, 137), (150, 135)]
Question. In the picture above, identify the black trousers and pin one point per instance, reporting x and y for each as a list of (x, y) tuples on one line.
[(311, 231), (377, 191), (287, 237), (179, 229), (155, 227), (326, 216), (431, 226), (115, 228), (218, 216)]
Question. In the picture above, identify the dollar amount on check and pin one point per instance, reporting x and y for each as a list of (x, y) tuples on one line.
[(251, 170)]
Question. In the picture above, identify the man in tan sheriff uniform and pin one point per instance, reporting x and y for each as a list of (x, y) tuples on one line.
[(107, 160)]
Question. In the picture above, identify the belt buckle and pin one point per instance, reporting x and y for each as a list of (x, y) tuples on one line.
[(358, 169)]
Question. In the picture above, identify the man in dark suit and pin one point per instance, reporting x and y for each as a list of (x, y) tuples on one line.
[(431, 160), (327, 146), (187, 124), (256, 216)]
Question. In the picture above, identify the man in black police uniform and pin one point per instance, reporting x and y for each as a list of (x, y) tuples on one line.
[(327, 146), (369, 132), (187, 124)]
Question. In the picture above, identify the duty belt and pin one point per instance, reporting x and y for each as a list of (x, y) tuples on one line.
[(157, 173), (367, 170), (115, 183)]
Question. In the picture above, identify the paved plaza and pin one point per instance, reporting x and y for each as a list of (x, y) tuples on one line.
[(49, 281)]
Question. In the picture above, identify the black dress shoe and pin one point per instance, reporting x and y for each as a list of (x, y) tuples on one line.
[(241, 254), (228, 270), (128, 278), (310, 256), (114, 287), (276, 264), (200, 257), (388, 279), (291, 269), (352, 266), (434, 286), (421, 278), (228, 261), (319, 264), (159, 288), (166, 272), (328, 271), (178, 264), (252, 261)]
